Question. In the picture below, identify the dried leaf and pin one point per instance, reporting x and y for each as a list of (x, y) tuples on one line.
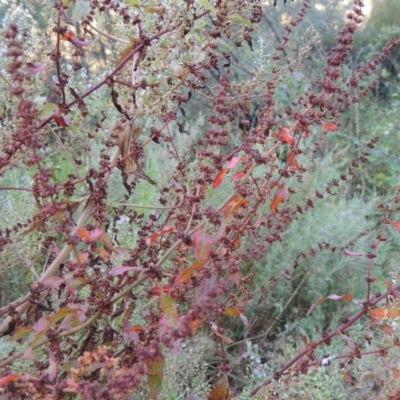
[(291, 159), (59, 119), (81, 104), (220, 390), (346, 296), (215, 329), (35, 68)]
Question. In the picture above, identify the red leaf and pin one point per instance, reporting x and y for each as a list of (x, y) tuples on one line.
[(9, 378), (81, 104), (396, 224), (53, 282), (218, 179), (59, 118), (291, 159), (330, 126), (220, 390), (35, 68), (221, 174), (353, 253), (155, 236), (233, 162), (279, 196), (233, 311), (74, 283), (52, 369), (155, 291), (121, 270), (237, 175), (202, 245)]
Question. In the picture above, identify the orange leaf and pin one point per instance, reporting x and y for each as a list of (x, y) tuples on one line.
[(194, 325), (285, 136), (396, 224), (103, 254), (215, 329), (155, 236), (218, 179), (233, 311), (279, 196), (9, 378), (187, 273), (80, 259), (387, 329), (291, 159), (233, 205), (330, 126), (385, 313), (220, 390), (83, 234)]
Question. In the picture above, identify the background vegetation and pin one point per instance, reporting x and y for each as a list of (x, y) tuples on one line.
[(281, 279)]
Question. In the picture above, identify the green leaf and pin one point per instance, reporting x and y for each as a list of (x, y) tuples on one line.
[(206, 4), (239, 19), (47, 110), (80, 10)]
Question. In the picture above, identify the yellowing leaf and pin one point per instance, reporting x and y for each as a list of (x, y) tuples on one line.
[(206, 4), (233, 311), (239, 19), (133, 2), (168, 306)]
